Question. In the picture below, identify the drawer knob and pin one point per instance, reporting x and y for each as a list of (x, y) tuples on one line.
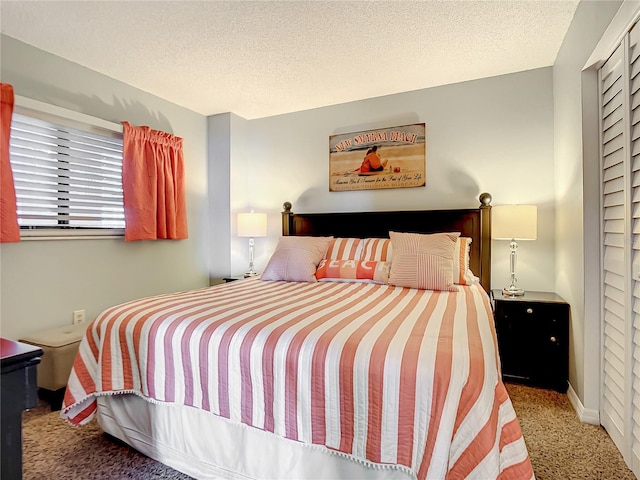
[(553, 339), (529, 310)]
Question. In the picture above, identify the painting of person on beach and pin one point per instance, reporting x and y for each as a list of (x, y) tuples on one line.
[(393, 157), (372, 162)]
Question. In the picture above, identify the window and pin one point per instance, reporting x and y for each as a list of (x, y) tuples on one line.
[(67, 172)]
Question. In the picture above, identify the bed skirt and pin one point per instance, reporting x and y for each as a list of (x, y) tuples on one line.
[(205, 446)]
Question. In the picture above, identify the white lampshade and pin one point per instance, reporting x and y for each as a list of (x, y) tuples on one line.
[(252, 224), (519, 222)]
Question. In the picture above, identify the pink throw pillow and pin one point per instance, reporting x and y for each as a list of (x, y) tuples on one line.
[(353, 271), (377, 249), (295, 259), (345, 249)]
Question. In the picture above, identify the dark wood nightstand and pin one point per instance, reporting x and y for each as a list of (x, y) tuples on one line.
[(233, 278), (19, 388), (533, 338)]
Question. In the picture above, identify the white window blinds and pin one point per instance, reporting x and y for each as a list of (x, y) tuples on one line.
[(66, 178)]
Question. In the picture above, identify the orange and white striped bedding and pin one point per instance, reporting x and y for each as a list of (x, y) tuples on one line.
[(391, 376)]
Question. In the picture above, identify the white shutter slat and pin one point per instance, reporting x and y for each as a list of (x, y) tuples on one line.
[(616, 171), (611, 73), (635, 114), (614, 144), (612, 112), (615, 294), (613, 279), (614, 226), (610, 121), (613, 199), (614, 312), (614, 212), (613, 158), (612, 125)]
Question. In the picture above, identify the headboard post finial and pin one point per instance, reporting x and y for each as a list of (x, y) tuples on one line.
[(287, 219), (485, 240)]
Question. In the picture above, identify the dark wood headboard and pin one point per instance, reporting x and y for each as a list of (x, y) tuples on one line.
[(474, 223)]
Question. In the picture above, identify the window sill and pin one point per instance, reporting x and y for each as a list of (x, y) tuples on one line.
[(80, 234)]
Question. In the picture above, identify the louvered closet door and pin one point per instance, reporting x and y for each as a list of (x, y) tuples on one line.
[(634, 341), (620, 122), (615, 220)]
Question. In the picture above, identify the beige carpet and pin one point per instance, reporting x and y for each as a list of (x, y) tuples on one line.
[(560, 446)]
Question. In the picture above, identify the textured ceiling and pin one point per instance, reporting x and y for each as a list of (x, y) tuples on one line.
[(263, 58)]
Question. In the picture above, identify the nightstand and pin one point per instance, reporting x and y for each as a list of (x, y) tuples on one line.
[(233, 278), (19, 387), (533, 338)]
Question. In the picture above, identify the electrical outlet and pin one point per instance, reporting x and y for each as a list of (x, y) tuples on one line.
[(78, 316)]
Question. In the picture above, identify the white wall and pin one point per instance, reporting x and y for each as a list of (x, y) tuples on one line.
[(492, 135), (42, 282), (577, 196)]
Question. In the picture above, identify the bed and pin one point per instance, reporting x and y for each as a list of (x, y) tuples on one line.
[(353, 376)]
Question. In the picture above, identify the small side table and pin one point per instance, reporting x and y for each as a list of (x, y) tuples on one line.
[(533, 338), (233, 278), (18, 391)]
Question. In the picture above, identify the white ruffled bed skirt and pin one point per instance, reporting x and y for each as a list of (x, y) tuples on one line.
[(204, 446)]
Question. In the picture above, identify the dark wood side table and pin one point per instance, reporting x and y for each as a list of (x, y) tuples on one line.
[(233, 278), (533, 338), (18, 391)]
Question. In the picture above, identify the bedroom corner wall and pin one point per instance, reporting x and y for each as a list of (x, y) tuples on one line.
[(578, 198), (228, 186), (219, 174), (43, 282)]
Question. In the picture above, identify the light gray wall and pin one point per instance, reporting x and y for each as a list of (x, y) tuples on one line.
[(577, 196), (43, 282), (491, 135), (219, 134)]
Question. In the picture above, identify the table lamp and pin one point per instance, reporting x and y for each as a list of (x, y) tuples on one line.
[(252, 225), (514, 222)]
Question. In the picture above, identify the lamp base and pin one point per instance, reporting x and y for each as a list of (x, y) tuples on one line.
[(512, 292), (250, 274)]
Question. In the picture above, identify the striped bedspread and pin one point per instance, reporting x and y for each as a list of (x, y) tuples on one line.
[(398, 377)]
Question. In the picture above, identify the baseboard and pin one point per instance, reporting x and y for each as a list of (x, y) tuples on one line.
[(586, 415)]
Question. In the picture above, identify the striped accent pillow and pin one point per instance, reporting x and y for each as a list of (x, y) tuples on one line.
[(295, 259), (377, 250), (423, 261), (345, 249), (353, 271), (462, 275), (381, 249)]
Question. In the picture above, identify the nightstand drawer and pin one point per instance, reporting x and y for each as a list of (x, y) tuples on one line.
[(530, 310)]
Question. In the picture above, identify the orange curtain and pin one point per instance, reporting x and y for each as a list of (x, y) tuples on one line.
[(153, 185), (9, 228)]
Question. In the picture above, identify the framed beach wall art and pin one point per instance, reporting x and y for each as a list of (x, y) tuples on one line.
[(393, 157)]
